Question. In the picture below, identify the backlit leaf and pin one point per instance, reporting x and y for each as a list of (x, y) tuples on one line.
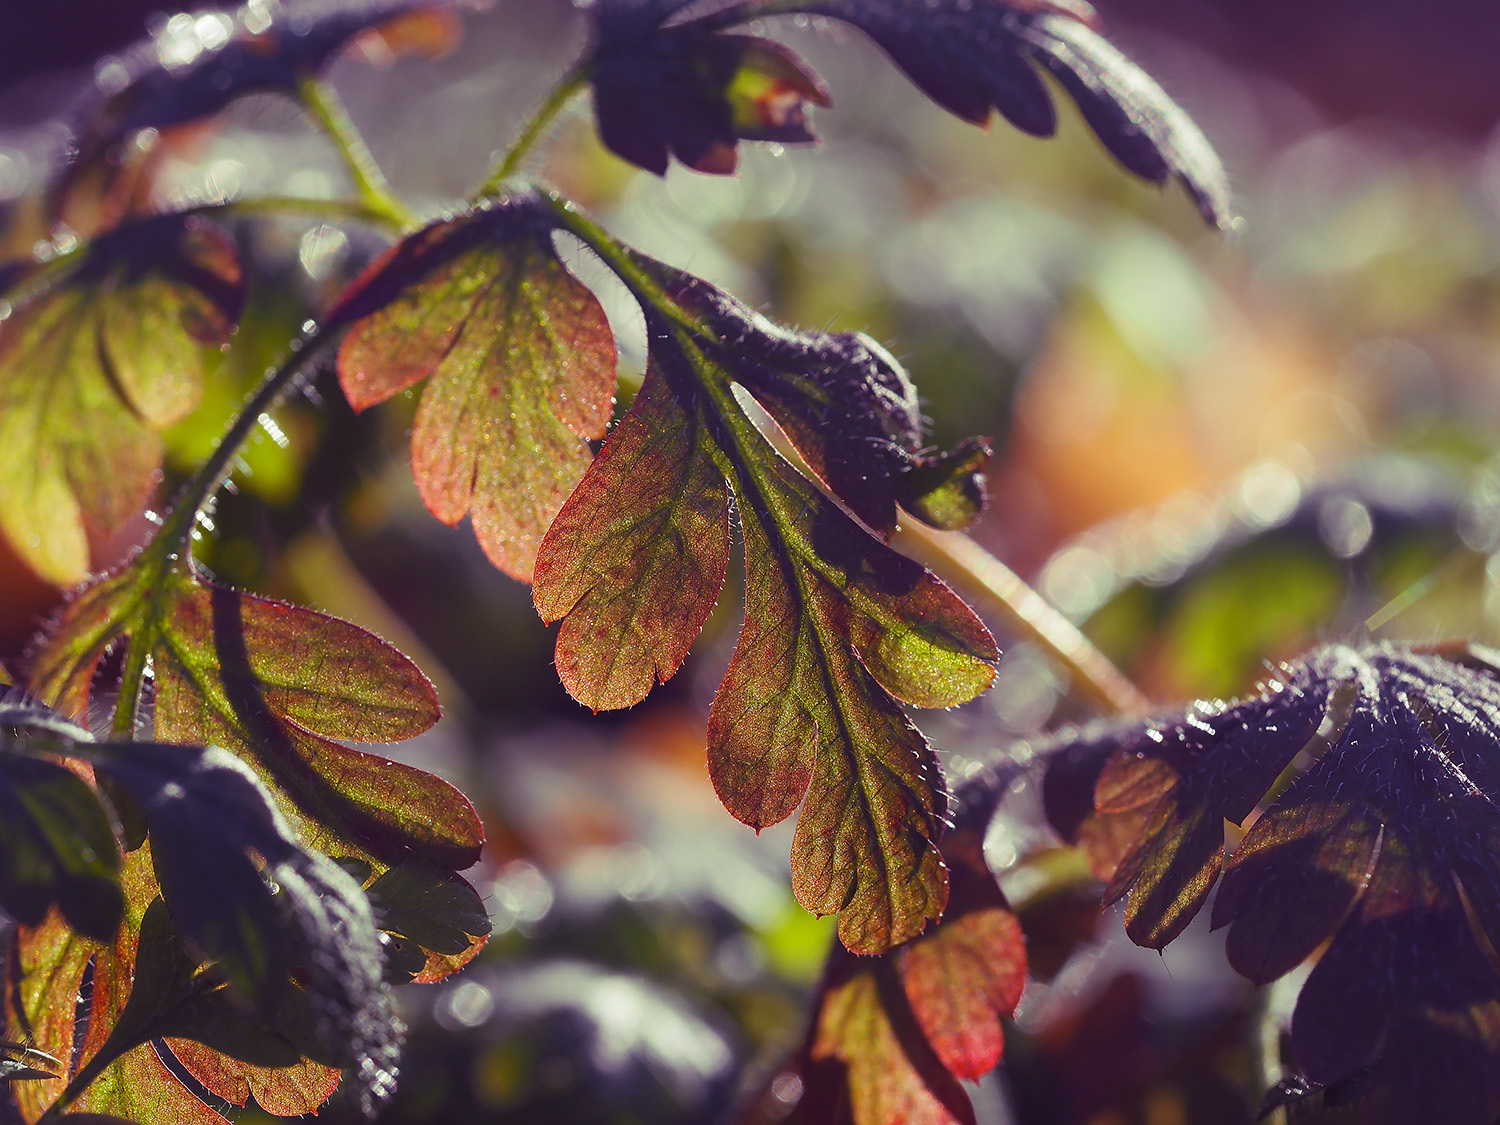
[(1381, 853), (92, 369), (907, 1025), (522, 363), (839, 629), (634, 582)]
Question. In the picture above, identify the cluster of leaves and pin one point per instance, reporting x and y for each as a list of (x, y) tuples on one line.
[(231, 905), (1365, 782)]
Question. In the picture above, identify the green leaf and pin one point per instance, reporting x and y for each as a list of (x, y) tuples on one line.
[(633, 583), (522, 363), (92, 369), (56, 845)]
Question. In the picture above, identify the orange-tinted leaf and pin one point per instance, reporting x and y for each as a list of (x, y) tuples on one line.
[(836, 624), (634, 581), (522, 363), (885, 1086), (839, 629), (92, 369), (908, 1024), (967, 975), (282, 1091)]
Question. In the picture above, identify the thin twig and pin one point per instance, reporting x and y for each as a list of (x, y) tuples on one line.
[(322, 102)]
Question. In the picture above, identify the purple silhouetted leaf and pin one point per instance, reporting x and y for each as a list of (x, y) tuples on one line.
[(93, 368), (522, 364), (972, 56), (849, 408), (1382, 854), (195, 64), (690, 92)]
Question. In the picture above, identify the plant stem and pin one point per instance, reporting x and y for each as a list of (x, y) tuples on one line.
[(546, 113), (998, 589), (323, 103), (174, 540)]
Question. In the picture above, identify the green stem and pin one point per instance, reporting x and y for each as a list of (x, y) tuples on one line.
[(545, 115), (323, 103), (174, 540), (132, 681)]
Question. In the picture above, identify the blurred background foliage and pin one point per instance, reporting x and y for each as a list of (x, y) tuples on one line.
[(1210, 453)]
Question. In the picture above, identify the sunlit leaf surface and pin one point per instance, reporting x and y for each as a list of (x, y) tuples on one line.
[(522, 363), (92, 369)]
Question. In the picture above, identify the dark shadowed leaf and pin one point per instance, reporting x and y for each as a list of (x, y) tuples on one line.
[(522, 363), (634, 582), (277, 685), (850, 410), (56, 846), (196, 64), (689, 92), (1381, 852), (974, 56), (92, 369), (430, 906)]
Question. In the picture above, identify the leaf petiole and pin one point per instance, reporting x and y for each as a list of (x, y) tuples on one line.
[(323, 104), (546, 114)]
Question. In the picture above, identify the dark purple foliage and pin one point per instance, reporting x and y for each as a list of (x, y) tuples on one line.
[(1381, 853)]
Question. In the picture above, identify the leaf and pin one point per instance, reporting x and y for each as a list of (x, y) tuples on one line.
[(972, 56), (277, 685), (522, 363), (838, 627), (1381, 852), (193, 66), (907, 1025), (92, 369), (56, 846), (686, 91), (848, 407), (429, 906), (633, 583)]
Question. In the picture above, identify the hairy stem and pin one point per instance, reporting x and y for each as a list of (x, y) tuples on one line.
[(175, 537), (545, 115), (998, 590), (328, 111)]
